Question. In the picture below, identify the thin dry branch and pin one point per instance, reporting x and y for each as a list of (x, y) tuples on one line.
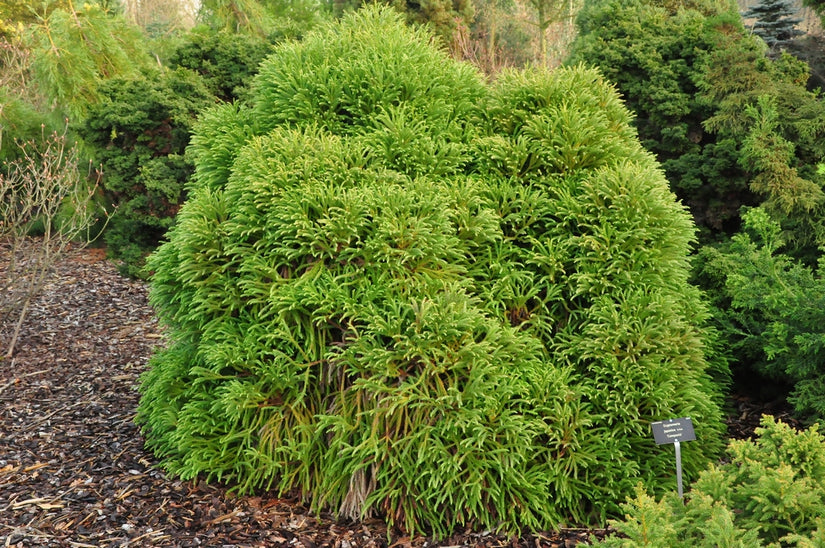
[(42, 190)]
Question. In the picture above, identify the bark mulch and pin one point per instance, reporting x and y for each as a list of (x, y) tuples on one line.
[(73, 470)]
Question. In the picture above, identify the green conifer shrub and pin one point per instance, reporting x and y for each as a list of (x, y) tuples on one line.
[(770, 493), (771, 308), (141, 127), (655, 52), (399, 291), (138, 133), (731, 126), (226, 61), (588, 227)]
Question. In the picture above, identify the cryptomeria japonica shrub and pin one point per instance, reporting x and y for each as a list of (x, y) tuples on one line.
[(400, 291)]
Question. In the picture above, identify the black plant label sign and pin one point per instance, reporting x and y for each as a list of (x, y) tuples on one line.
[(673, 430)]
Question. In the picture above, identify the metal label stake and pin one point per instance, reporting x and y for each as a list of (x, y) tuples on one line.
[(674, 431), (678, 469)]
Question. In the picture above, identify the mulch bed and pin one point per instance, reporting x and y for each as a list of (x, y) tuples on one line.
[(73, 470)]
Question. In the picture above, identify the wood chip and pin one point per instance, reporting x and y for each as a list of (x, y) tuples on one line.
[(73, 470)]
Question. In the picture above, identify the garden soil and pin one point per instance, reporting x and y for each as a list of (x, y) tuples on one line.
[(73, 470)]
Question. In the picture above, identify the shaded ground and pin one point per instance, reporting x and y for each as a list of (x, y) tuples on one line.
[(73, 471)]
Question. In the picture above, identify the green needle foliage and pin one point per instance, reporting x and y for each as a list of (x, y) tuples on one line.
[(138, 131), (401, 292), (141, 126), (226, 61), (770, 307), (74, 51), (732, 126), (770, 493)]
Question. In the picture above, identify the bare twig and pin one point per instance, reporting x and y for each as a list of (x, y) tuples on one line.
[(43, 419), (42, 189), (17, 378)]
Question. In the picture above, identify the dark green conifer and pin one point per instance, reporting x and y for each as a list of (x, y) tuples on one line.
[(774, 21)]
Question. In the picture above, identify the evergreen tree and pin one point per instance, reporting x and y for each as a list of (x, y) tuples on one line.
[(226, 61), (698, 82), (655, 56), (138, 132), (775, 22), (733, 127)]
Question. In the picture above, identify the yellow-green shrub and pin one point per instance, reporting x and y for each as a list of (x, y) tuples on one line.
[(400, 291), (770, 493)]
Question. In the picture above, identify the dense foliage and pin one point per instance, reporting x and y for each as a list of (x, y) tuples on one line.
[(91, 68), (397, 290), (730, 126), (770, 493), (138, 133), (51, 67), (734, 128), (772, 309), (226, 62), (396, 285), (74, 51)]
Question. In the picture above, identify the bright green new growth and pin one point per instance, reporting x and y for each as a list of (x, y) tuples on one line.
[(399, 291), (771, 493)]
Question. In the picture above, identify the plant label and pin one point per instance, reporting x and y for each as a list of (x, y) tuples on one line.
[(673, 430)]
